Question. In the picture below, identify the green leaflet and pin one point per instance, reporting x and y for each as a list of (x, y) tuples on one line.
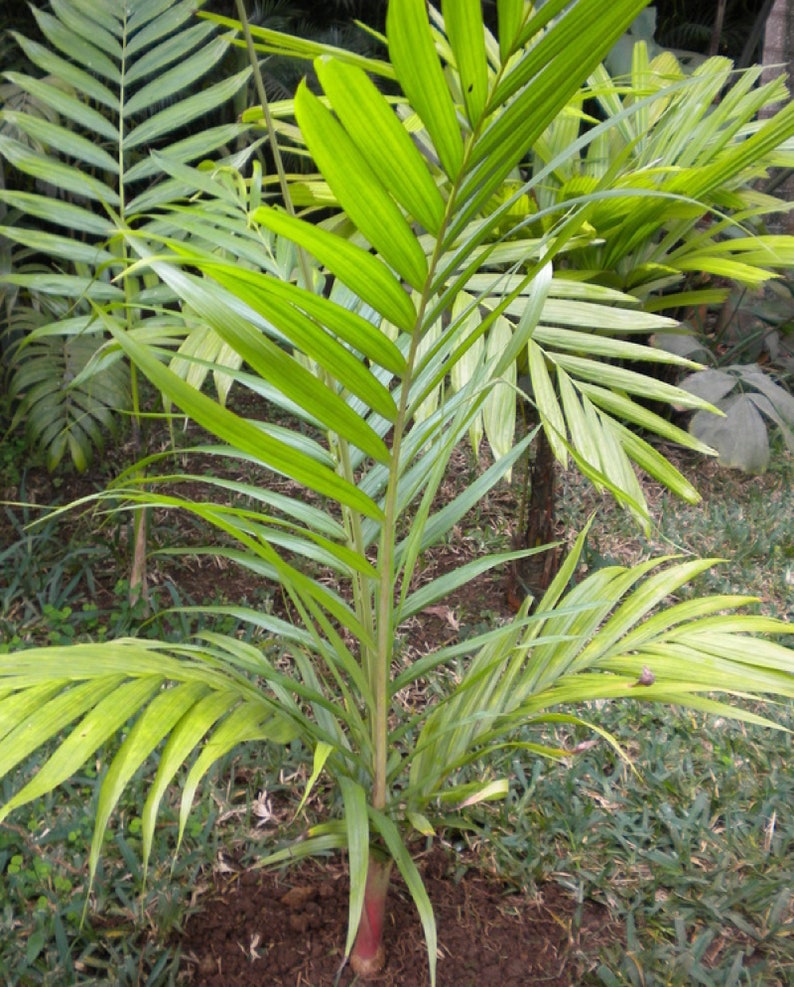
[(413, 54), (367, 276), (70, 144), (51, 63), (185, 111), (157, 49), (464, 24), (58, 246), (357, 830), (181, 76), (66, 105), (373, 125), (360, 193), (65, 176), (246, 722), (66, 214), (499, 408), (311, 337), (111, 705), (273, 364), (155, 721), (354, 330), (184, 736), (269, 41), (510, 15), (245, 436)]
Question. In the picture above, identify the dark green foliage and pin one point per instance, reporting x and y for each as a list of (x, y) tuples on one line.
[(77, 150)]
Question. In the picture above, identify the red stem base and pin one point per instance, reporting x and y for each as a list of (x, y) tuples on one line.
[(369, 954)]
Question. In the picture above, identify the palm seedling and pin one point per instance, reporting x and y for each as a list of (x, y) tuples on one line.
[(691, 149), (359, 366)]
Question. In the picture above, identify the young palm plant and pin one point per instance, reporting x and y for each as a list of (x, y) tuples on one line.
[(694, 145), (356, 363), (648, 241)]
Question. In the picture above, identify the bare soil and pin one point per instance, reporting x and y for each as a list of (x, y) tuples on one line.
[(288, 930)]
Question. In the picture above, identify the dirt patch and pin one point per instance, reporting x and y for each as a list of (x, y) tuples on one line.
[(288, 930)]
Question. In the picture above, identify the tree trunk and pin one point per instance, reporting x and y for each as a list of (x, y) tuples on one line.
[(716, 34), (533, 575), (139, 587), (779, 59), (778, 40)]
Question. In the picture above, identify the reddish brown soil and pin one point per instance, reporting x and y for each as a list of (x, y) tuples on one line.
[(288, 930)]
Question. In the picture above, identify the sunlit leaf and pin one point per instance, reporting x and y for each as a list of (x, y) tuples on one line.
[(384, 141), (357, 823), (464, 24), (360, 193), (368, 277), (414, 57)]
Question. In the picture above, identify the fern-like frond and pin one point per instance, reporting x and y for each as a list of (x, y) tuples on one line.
[(78, 142)]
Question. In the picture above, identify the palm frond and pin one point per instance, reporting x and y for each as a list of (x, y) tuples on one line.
[(80, 141)]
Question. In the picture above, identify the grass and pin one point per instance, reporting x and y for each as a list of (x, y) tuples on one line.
[(54, 932), (691, 844), (63, 578)]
